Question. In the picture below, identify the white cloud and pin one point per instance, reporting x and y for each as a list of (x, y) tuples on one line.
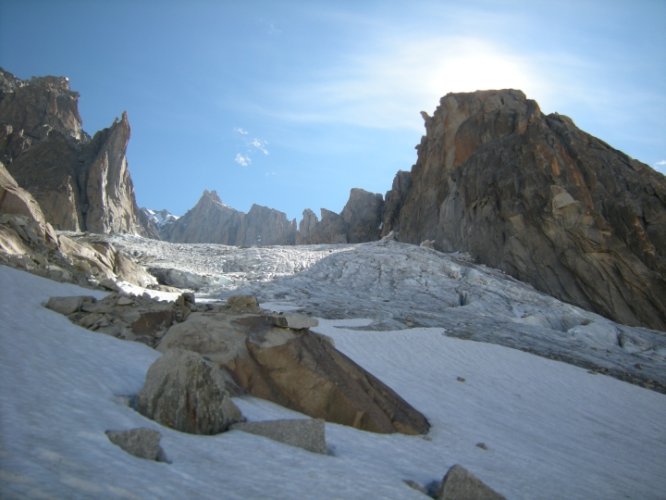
[(661, 163), (388, 85), (242, 160), (240, 130), (259, 144)]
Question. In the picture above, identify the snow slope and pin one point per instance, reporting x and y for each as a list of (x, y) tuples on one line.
[(551, 430)]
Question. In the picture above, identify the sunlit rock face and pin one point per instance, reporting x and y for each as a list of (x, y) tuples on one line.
[(211, 221), (81, 183), (540, 199)]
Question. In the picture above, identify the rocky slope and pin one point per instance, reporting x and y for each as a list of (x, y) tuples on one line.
[(28, 241), (540, 199), (81, 183)]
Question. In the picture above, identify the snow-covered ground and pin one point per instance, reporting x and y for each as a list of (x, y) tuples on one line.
[(549, 429)]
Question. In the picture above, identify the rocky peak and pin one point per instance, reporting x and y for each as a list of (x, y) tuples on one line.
[(82, 184), (39, 106), (539, 198)]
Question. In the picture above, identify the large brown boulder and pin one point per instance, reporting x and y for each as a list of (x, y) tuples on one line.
[(540, 199), (295, 368)]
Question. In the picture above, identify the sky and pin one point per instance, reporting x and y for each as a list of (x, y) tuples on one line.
[(290, 104)]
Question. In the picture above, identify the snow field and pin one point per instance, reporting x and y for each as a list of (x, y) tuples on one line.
[(551, 430)]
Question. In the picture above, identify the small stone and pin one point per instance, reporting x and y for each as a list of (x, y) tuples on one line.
[(140, 442), (308, 434), (460, 483), (460, 379)]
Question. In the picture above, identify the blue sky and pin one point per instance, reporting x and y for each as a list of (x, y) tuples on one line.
[(290, 104)]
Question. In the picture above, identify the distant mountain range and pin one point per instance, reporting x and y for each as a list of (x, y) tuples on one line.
[(527, 193)]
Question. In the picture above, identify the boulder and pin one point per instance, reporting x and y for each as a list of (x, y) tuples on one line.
[(460, 484), (309, 434), (140, 442), (187, 393), (303, 371)]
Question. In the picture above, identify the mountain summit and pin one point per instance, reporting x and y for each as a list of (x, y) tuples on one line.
[(533, 195), (81, 183)]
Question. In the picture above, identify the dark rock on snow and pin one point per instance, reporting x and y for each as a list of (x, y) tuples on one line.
[(309, 434), (140, 442)]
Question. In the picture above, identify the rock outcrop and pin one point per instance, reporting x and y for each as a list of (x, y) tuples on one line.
[(211, 221), (82, 184), (359, 221), (540, 199), (29, 242)]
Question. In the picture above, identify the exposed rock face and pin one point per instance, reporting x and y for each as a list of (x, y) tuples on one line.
[(211, 221), (538, 198), (185, 392), (363, 216), (359, 221), (29, 242), (266, 226), (82, 184)]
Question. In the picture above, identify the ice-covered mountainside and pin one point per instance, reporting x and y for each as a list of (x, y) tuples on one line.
[(398, 285), (160, 217), (531, 428)]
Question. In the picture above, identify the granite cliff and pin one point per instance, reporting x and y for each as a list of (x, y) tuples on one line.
[(533, 195), (81, 183), (211, 221)]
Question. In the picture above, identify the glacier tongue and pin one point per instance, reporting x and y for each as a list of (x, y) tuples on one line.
[(398, 285)]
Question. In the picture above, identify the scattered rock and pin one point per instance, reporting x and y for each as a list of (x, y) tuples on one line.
[(459, 483), (460, 379), (140, 442), (482, 445), (309, 434), (187, 393)]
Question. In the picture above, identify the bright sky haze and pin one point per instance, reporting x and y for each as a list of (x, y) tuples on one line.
[(290, 104)]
